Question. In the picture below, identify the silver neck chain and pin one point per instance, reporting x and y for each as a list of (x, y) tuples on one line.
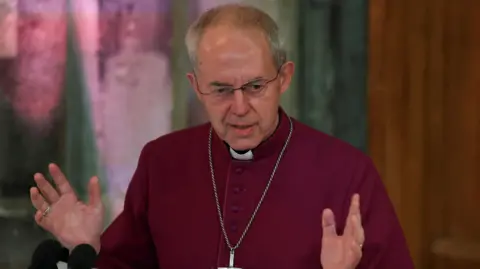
[(219, 211)]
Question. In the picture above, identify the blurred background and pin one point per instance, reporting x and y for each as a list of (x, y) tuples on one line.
[(87, 83)]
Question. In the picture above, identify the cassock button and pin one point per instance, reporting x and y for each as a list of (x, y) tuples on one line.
[(236, 190), (235, 209), (239, 170), (234, 228)]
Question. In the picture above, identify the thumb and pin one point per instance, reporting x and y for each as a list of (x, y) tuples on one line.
[(94, 193), (328, 223)]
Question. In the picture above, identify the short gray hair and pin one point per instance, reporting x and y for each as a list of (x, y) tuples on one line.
[(237, 15)]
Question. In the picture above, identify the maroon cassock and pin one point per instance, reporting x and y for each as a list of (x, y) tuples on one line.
[(170, 219)]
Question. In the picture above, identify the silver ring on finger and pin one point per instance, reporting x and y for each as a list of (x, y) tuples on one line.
[(45, 213), (360, 245)]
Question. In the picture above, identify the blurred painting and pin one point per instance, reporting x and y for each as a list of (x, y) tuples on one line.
[(32, 64), (130, 86), (31, 86), (8, 28)]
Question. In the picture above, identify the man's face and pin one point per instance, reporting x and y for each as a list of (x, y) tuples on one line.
[(229, 58)]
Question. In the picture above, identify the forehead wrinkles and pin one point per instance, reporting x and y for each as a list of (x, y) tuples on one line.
[(225, 42), (232, 67), (233, 55), (234, 75)]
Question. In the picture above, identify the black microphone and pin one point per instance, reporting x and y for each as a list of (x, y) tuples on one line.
[(82, 257), (48, 254)]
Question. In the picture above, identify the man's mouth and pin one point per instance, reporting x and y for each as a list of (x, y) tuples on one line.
[(241, 127), (242, 130)]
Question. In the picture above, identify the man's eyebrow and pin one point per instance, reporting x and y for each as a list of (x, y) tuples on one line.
[(224, 84), (254, 80), (220, 84)]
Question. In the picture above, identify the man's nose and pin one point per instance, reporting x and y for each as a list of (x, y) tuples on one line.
[(240, 103)]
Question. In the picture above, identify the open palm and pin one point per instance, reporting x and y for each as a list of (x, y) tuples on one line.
[(342, 251), (60, 212)]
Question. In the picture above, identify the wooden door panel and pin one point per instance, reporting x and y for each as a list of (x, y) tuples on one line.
[(460, 245), (424, 115)]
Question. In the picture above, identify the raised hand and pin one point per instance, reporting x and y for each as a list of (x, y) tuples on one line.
[(342, 251), (60, 212)]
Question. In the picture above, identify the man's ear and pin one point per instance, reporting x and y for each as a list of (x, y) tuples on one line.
[(194, 84), (192, 80), (286, 75)]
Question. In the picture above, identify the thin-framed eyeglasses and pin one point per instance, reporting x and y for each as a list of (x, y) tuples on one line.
[(253, 88)]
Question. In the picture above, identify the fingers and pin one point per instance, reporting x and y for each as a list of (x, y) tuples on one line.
[(46, 189), (39, 217), (356, 241), (356, 220), (94, 192), (61, 181), (353, 227), (355, 205), (37, 200), (353, 211), (328, 223), (358, 232), (40, 204)]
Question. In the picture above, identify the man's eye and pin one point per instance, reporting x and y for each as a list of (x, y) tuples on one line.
[(255, 87), (222, 90)]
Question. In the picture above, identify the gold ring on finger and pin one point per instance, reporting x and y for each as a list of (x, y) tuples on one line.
[(45, 213)]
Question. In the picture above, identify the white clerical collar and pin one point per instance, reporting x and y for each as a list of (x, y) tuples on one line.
[(247, 156)]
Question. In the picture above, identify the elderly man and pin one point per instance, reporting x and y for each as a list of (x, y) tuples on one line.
[(253, 188)]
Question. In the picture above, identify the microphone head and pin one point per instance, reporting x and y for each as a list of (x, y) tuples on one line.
[(82, 257), (46, 255)]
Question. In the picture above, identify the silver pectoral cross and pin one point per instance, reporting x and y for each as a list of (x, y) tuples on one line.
[(231, 261)]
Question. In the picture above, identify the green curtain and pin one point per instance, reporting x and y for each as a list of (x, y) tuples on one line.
[(316, 71), (81, 160), (332, 68), (180, 64)]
